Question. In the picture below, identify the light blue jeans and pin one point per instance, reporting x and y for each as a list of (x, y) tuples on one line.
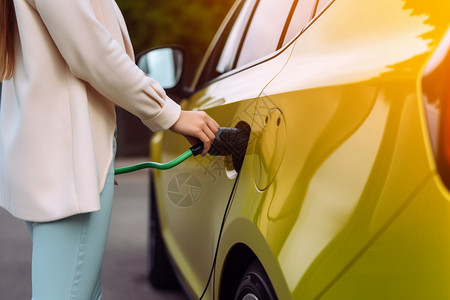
[(68, 254)]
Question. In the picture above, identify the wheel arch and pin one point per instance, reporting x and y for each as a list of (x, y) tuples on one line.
[(236, 262), (241, 243)]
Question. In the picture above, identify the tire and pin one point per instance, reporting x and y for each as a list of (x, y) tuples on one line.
[(160, 271), (255, 284)]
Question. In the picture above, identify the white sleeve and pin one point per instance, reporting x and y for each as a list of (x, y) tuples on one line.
[(94, 56)]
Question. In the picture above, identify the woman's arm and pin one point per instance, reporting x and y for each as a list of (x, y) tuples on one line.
[(94, 56)]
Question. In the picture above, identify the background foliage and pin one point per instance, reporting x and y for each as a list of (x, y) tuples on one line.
[(191, 23)]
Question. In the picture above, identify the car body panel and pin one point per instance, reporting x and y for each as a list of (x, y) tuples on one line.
[(338, 193), (355, 159), (228, 103), (411, 254)]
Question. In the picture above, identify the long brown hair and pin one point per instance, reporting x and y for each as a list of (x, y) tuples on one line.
[(8, 25)]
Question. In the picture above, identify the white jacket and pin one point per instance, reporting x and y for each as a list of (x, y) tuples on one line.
[(74, 62)]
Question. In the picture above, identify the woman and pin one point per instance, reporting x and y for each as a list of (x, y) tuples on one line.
[(65, 65)]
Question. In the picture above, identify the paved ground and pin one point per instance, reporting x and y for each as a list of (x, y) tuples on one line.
[(125, 259)]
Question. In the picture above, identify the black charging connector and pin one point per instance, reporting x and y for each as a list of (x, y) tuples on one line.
[(197, 149), (229, 141)]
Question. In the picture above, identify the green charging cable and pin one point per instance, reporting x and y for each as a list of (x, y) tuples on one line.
[(228, 141), (194, 150)]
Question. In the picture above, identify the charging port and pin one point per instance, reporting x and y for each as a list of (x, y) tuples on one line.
[(232, 141), (229, 141)]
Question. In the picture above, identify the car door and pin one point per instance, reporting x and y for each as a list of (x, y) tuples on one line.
[(321, 162), (193, 199)]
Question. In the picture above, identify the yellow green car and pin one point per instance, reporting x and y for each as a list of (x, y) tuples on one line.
[(343, 191)]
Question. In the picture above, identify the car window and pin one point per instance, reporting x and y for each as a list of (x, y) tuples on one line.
[(265, 30), (230, 49), (321, 5), (303, 13), (223, 55)]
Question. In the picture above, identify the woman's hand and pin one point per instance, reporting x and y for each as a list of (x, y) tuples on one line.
[(196, 125)]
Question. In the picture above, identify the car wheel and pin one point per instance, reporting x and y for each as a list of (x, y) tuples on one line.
[(255, 284), (160, 271)]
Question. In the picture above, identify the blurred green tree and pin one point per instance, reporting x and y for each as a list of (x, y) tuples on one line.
[(190, 23)]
